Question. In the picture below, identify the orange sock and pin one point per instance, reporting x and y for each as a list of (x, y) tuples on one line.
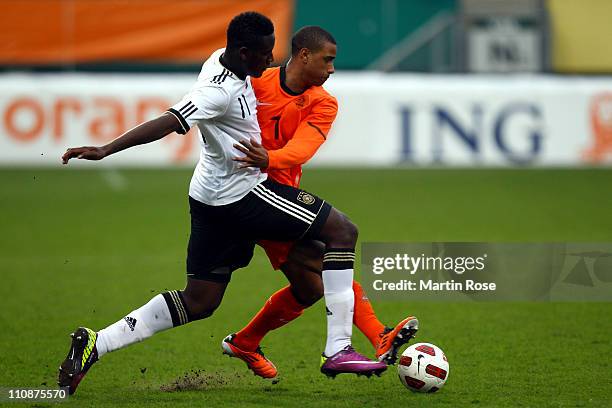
[(280, 309), (364, 317)]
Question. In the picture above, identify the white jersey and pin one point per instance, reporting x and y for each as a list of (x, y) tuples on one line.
[(224, 108)]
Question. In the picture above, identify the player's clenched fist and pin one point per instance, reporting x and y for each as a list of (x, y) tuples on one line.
[(85, 152)]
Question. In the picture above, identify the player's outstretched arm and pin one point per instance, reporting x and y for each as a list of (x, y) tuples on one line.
[(146, 132)]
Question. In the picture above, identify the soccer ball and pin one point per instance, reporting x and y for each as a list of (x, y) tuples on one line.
[(423, 367)]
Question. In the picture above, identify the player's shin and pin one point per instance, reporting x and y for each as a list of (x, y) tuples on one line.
[(339, 298), (364, 318), (281, 308), (163, 312)]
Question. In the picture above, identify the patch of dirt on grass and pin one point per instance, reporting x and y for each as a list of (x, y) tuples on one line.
[(198, 380)]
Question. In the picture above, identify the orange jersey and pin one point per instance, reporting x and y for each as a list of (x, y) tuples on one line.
[(293, 126)]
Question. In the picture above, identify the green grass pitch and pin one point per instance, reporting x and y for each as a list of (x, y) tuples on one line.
[(84, 246)]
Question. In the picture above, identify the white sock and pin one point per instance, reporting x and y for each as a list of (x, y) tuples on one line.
[(136, 326), (339, 301)]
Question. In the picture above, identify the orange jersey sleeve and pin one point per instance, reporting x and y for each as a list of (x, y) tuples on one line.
[(308, 137)]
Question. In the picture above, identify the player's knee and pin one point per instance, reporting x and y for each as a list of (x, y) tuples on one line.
[(339, 231), (353, 231), (348, 231), (199, 309)]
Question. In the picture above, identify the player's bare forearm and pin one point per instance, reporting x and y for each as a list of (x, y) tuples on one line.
[(144, 133)]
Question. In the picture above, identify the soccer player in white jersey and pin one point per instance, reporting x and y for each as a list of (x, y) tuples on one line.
[(232, 207)]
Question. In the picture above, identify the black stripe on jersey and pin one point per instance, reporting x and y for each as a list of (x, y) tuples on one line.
[(185, 107), (182, 120), (227, 73), (218, 79), (241, 107), (189, 112), (318, 130), (247, 105)]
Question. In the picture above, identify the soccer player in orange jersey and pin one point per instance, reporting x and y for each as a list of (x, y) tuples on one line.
[(295, 114)]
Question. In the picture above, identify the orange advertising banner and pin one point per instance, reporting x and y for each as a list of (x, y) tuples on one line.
[(39, 32)]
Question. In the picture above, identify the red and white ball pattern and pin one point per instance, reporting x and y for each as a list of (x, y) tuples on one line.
[(423, 367)]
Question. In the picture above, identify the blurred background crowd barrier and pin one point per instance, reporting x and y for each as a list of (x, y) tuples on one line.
[(419, 83)]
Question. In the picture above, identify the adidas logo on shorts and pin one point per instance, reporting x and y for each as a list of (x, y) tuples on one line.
[(130, 322)]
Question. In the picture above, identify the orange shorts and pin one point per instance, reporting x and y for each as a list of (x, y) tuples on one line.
[(277, 251)]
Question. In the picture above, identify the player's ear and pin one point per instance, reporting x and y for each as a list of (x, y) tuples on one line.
[(304, 55), (244, 53)]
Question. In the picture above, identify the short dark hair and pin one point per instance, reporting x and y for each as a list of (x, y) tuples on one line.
[(247, 29), (311, 37)]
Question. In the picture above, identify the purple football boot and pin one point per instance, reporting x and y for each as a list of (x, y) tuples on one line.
[(349, 361)]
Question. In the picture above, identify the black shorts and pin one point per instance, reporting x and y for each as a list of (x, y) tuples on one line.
[(223, 237)]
